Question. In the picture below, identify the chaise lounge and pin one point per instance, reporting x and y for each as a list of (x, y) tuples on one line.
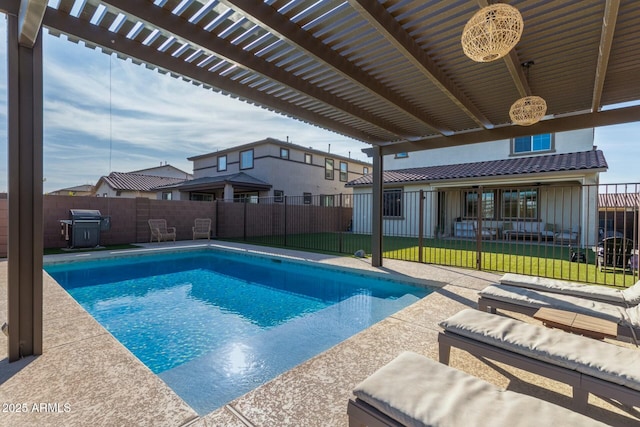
[(627, 297), (585, 364), (413, 390), (625, 312)]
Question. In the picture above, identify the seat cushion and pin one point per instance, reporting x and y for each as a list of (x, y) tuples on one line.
[(598, 359), (417, 391), (602, 293), (632, 294), (537, 299)]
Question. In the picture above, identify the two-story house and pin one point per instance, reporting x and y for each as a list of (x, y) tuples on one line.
[(268, 168), (542, 186)]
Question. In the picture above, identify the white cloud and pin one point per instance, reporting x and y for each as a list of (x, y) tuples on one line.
[(100, 110)]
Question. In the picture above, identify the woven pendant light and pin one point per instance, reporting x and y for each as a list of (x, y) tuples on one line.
[(492, 32), (528, 110)]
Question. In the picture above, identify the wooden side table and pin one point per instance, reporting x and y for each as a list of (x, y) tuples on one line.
[(577, 323)]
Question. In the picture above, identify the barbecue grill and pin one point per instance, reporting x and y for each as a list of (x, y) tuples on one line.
[(82, 229)]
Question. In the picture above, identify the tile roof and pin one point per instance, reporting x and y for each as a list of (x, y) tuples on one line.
[(219, 181), (593, 159), (137, 182)]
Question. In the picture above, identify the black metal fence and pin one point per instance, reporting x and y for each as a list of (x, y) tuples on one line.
[(586, 233)]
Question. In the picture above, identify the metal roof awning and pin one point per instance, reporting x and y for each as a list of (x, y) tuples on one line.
[(387, 73)]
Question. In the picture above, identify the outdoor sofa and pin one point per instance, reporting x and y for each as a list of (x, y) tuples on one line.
[(531, 230), (413, 390), (587, 365), (469, 228), (528, 301)]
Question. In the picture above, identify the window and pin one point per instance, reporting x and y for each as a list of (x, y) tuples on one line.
[(118, 193), (529, 144), (307, 198), (520, 204), (284, 153), (472, 208), (246, 159), (392, 203), (308, 158), (326, 201), (344, 171), (365, 170), (328, 168), (246, 197), (278, 196), (401, 155), (222, 163), (167, 195), (201, 197)]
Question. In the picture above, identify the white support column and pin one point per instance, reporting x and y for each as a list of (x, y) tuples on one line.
[(376, 205), (228, 193), (25, 194)]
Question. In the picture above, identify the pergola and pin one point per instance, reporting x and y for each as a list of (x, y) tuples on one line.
[(388, 73)]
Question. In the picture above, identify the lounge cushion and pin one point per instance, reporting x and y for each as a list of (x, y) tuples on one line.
[(598, 359), (417, 391), (536, 299), (603, 293), (632, 294)]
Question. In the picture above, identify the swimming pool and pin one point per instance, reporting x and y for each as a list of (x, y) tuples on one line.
[(214, 325)]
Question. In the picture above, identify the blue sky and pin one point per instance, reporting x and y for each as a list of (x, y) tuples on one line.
[(104, 114), (154, 118)]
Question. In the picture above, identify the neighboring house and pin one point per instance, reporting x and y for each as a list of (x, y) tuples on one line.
[(619, 214), (141, 183), (268, 168), (548, 182), (78, 190)]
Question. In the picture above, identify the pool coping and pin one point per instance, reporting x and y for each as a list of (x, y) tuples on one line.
[(285, 255)]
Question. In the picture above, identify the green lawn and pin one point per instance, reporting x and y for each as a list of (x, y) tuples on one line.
[(533, 258)]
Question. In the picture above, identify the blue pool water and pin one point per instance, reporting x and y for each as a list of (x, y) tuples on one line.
[(215, 325)]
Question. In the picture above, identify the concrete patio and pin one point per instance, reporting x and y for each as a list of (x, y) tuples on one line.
[(86, 377)]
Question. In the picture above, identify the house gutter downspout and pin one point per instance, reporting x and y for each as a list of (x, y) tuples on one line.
[(376, 205)]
